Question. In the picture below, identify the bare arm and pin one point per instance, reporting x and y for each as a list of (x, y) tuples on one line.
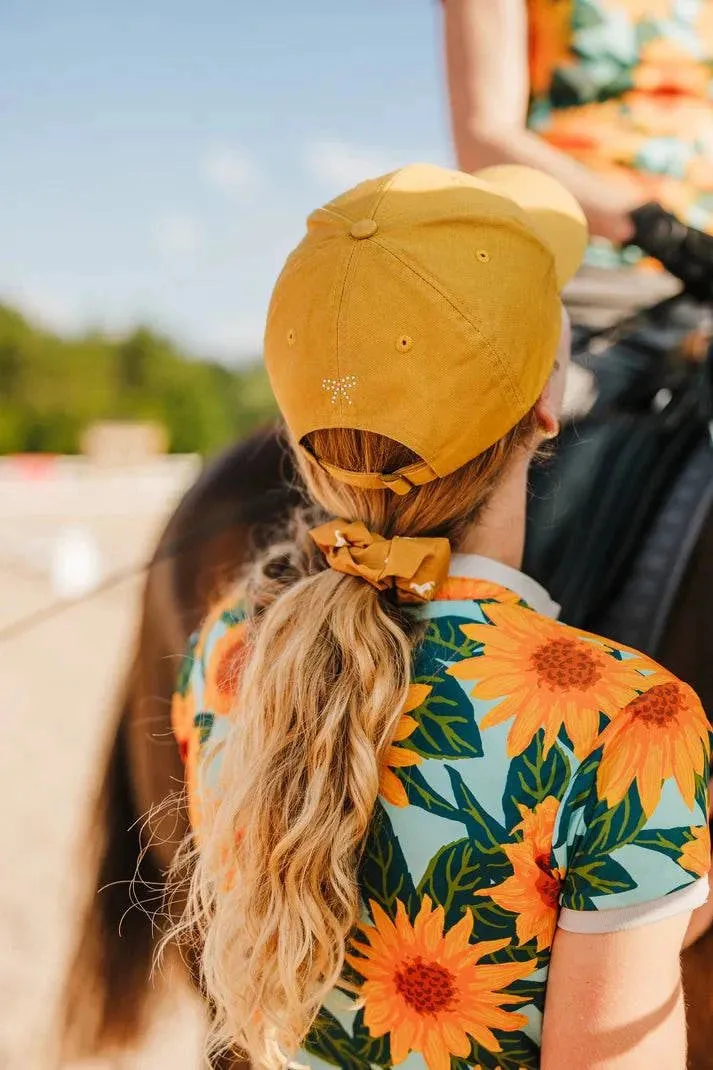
[(614, 1000), (486, 59)]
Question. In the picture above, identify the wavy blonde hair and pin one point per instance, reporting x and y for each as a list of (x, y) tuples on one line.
[(274, 893)]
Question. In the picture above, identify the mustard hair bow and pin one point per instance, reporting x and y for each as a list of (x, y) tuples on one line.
[(415, 567)]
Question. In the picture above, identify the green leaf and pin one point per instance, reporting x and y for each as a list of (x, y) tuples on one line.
[(453, 876), (235, 615), (669, 842), (579, 900), (611, 828), (486, 833), (491, 922), (586, 16), (517, 1052), (186, 667), (384, 877), (532, 991), (328, 1040), (596, 876), (532, 777), (204, 723), (446, 722), (421, 794), (446, 642), (514, 952), (375, 1050), (581, 792), (701, 796)]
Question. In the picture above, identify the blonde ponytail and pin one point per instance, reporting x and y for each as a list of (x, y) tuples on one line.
[(274, 894)]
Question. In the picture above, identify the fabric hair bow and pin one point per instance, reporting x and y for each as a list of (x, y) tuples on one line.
[(415, 567)]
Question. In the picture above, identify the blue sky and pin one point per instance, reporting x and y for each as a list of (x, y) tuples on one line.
[(159, 156)]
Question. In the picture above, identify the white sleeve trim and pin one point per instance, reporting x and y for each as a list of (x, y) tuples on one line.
[(618, 918)]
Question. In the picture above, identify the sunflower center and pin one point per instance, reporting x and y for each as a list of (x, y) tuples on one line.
[(548, 885), (426, 986), (229, 666), (566, 664), (658, 707)]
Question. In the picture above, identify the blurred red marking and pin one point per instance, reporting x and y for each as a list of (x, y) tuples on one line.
[(34, 466)]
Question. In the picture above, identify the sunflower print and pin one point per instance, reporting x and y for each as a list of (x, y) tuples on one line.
[(625, 87), (223, 669), (456, 589), (400, 757), (533, 891), (428, 989), (695, 854), (545, 676), (660, 734), (533, 767)]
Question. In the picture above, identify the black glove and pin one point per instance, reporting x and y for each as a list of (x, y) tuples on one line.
[(685, 252)]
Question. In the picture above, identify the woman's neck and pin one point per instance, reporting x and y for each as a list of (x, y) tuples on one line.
[(499, 532)]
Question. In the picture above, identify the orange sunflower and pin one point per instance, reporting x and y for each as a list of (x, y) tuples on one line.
[(428, 990), (222, 674), (549, 41), (545, 676), (660, 734), (533, 891), (695, 855), (182, 714), (457, 588), (390, 787)]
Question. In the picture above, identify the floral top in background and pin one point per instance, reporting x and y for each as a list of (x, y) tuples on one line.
[(538, 776), (626, 87)]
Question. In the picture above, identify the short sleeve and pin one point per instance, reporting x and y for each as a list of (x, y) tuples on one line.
[(205, 694), (632, 835)]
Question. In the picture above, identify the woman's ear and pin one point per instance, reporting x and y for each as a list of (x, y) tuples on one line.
[(547, 412), (548, 406)]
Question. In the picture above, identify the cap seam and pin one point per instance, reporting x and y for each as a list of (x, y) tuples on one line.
[(340, 301), (347, 274), (439, 290), (381, 193)]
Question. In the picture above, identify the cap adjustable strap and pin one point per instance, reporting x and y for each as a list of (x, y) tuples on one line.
[(400, 482)]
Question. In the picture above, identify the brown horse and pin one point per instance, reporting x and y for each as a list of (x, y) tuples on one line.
[(216, 528)]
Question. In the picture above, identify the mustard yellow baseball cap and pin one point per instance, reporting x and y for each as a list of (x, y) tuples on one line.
[(424, 306)]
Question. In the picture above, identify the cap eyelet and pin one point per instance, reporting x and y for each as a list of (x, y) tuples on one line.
[(404, 343), (291, 336), (483, 255)]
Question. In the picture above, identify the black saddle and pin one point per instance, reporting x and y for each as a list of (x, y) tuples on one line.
[(596, 501)]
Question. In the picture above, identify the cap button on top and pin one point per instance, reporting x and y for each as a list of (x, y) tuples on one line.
[(364, 228)]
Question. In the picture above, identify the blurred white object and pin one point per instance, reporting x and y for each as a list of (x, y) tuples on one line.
[(75, 564), (580, 392)]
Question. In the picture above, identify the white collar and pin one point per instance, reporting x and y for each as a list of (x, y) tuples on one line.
[(476, 567)]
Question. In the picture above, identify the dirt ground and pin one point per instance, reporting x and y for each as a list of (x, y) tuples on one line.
[(57, 683)]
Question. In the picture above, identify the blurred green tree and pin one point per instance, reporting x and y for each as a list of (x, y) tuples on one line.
[(51, 388)]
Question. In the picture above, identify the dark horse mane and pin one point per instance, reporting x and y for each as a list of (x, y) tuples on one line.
[(218, 525), (230, 511)]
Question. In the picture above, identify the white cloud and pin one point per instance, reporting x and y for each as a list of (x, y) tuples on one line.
[(227, 170), (338, 164), (179, 235)]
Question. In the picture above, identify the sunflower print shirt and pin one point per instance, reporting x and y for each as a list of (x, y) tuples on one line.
[(539, 776), (626, 87)]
